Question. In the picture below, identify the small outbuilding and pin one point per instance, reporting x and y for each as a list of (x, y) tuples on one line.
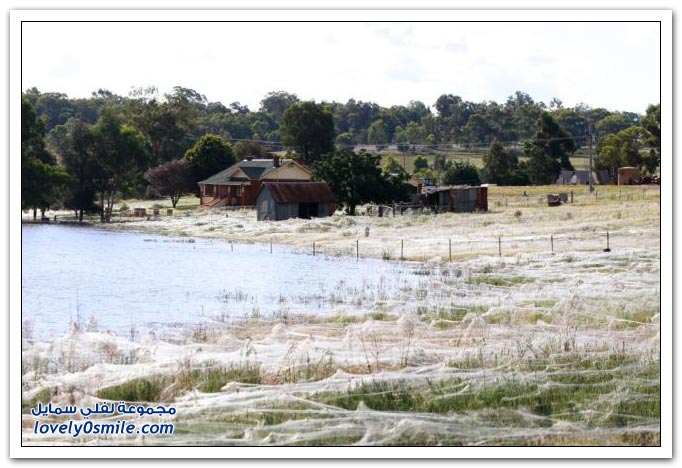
[(277, 201), (628, 175), (582, 177), (456, 199)]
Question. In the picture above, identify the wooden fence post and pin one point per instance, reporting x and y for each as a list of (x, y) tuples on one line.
[(499, 245), (450, 248)]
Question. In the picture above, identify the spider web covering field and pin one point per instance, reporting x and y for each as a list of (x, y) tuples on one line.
[(529, 349)]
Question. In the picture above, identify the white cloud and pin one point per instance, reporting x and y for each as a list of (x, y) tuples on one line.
[(613, 65)]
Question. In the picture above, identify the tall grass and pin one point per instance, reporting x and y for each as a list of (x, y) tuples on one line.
[(613, 396)]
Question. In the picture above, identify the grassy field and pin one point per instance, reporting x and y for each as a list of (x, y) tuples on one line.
[(533, 347), (521, 223), (579, 160), (515, 196)]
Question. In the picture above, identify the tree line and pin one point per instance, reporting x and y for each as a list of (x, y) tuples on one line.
[(82, 153), (173, 121)]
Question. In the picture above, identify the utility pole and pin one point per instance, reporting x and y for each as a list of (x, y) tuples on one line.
[(404, 151), (589, 137)]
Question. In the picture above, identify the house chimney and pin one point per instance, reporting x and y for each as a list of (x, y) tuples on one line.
[(275, 161)]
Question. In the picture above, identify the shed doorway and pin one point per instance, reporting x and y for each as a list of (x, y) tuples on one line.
[(308, 210)]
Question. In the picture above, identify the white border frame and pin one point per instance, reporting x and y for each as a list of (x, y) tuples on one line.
[(664, 16)]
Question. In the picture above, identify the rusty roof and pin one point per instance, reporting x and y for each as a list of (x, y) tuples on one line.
[(299, 192)]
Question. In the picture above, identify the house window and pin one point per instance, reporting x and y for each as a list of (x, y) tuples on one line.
[(238, 191), (208, 190)]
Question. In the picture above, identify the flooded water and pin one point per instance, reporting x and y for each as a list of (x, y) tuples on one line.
[(131, 280)]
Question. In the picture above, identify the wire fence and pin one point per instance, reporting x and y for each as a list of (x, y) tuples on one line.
[(455, 249), (363, 244)]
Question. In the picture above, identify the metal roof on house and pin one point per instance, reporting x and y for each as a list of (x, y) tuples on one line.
[(254, 169), (299, 192), (447, 188)]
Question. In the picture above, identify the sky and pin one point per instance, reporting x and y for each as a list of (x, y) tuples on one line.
[(612, 65)]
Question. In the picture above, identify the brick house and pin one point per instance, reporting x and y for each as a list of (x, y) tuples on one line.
[(238, 185)]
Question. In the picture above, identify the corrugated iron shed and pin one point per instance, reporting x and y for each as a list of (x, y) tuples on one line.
[(300, 192), (458, 199)]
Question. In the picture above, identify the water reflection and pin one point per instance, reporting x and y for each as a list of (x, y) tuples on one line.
[(125, 280)]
